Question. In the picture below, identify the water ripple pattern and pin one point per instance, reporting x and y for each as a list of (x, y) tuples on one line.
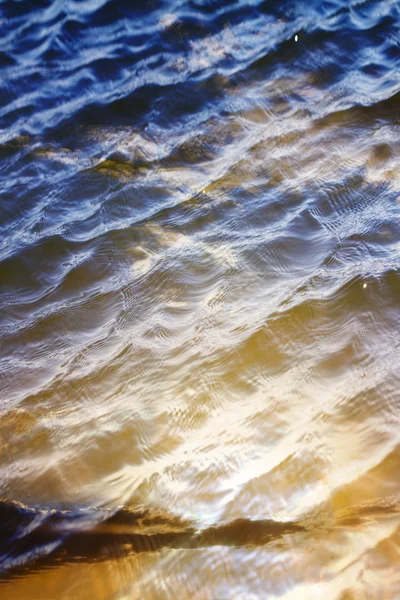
[(199, 299)]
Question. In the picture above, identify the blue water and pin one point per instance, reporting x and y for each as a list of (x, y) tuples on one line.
[(199, 299)]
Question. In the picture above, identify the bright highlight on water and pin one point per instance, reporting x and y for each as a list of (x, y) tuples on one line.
[(199, 300)]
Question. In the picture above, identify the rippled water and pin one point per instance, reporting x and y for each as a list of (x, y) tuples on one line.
[(200, 286)]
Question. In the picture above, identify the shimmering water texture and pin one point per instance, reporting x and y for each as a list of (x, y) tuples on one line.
[(199, 301)]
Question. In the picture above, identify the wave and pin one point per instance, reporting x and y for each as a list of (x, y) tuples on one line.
[(74, 535)]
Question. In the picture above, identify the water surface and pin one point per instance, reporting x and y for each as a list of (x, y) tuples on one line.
[(199, 299)]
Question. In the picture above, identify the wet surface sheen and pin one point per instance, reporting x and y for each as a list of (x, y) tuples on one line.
[(199, 300)]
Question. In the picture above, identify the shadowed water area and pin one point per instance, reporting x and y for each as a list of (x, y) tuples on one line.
[(199, 299)]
